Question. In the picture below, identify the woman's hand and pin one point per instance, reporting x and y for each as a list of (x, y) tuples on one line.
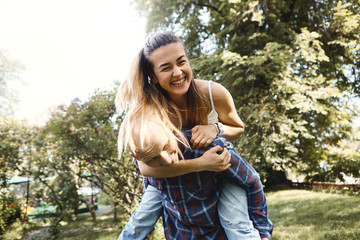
[(212, 161), (202, 135)]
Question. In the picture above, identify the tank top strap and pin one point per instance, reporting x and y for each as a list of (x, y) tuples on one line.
[(211, 98)]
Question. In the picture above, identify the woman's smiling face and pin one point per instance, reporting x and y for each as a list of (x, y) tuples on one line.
[(172, 69)]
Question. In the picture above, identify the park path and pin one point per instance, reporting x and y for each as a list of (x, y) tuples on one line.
[(102, 210)]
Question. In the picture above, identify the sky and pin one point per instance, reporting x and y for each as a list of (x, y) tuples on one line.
[(69, 48)]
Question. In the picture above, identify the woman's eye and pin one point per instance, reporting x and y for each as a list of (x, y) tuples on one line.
[(165, 69)]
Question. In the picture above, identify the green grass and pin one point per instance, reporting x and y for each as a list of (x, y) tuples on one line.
[(296, 214), (105, 228), (83, 227), (308, 215)]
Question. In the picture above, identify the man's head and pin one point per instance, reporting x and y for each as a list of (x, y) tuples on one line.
[(155, 145)]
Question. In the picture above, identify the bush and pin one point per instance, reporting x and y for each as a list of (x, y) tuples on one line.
[(9, 213)]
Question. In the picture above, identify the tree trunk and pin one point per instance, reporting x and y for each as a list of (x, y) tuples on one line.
[(115, 210), (91, 209)]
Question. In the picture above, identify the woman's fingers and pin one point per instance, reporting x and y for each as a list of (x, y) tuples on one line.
[(201, 141), (202, 136)]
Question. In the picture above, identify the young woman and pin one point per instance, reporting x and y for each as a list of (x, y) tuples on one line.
[(162, 82)]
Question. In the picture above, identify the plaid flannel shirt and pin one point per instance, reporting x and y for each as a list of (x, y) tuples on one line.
[(189, 201)]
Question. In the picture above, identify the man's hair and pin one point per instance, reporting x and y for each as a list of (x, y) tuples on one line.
[(146, 131)]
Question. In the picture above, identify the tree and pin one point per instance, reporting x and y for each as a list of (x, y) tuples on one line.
[(15, 137), (9, 72), (9, 150), (291, 66), (83, 136), (26, 151)]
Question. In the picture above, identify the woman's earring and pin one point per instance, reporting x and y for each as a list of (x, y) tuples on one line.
[(149, 80)]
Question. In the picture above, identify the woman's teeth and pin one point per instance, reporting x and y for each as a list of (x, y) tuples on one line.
[(179, 82)]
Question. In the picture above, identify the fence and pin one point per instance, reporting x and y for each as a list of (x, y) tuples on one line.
[(327, 185)]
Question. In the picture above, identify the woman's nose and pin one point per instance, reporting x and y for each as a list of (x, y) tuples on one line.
[(177, 71)]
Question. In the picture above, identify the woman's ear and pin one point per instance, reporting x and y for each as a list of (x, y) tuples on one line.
[(153, 79)]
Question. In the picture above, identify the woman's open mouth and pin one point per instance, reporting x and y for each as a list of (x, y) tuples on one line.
[(178, 83)]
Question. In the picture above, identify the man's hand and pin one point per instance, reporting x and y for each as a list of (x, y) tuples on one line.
[(212, 161), (202, 135)]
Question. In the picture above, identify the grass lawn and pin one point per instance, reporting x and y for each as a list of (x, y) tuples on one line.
[(83, 227), (105, 228), (296, 214), (309, 215)]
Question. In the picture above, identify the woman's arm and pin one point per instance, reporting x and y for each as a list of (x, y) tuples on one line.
[(203, 135), (209, 161), (225, 107)]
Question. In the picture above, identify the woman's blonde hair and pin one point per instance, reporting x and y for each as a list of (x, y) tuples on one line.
[(143, 100)]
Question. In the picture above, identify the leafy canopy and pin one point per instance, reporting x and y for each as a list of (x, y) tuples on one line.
[(292, 68)]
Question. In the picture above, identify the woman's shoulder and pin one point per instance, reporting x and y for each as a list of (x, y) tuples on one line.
[(216, 88), (200, 83)]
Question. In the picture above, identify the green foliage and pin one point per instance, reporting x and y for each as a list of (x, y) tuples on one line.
[(77, 140), (9, 73), (292, 68), (14, 139), (9, 150), (9, 211), (15, 158), (82, 138)]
